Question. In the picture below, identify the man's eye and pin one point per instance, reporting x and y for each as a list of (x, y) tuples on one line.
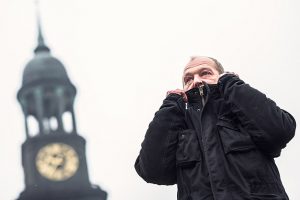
[(187, 80), (204, 73)]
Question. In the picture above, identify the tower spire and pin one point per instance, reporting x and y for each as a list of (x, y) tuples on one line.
[(41, 47)]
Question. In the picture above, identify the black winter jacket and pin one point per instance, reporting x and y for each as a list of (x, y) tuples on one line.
[(218, 146)]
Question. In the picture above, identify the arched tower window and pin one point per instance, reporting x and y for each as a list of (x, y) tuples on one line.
[(67, 121), (33, 126)]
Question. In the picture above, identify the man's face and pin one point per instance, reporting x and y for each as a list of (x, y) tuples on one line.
[(204, 71)]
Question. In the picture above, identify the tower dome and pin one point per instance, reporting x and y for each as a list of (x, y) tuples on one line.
[(44, 67)]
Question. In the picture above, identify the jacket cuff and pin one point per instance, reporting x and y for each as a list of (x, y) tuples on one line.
[(173, 97), (177, 99), (226, 80)]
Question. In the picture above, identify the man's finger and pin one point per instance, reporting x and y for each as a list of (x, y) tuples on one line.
[(179, 92)]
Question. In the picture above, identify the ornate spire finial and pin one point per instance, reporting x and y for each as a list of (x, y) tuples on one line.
[(41, 47)]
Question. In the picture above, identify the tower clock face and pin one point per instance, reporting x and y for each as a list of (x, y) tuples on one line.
[(57, 161)]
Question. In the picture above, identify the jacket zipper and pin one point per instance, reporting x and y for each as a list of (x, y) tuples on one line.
[(201, 94), (201, 91)]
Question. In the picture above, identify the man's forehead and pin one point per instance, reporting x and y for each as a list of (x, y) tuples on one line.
[(199, 61)]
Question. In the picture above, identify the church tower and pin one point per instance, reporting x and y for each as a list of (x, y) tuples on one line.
[(54, 157)]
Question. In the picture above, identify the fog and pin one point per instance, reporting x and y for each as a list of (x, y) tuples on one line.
[(123, 56)]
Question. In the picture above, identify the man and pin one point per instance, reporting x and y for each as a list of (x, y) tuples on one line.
[(217, 138)]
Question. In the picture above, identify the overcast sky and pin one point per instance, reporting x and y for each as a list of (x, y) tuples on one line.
[(124, 55)]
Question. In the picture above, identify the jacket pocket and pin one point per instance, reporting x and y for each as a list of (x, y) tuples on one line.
[(188, 151), (232, 138)]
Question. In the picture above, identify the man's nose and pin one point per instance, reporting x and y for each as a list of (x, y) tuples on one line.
[(197, 80)]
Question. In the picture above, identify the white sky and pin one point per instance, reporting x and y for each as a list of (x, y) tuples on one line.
[(124, 55)]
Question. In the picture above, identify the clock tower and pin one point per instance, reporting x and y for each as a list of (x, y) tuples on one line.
[(53, 154)]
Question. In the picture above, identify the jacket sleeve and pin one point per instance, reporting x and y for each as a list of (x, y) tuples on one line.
[(156, 162), (270, 127)]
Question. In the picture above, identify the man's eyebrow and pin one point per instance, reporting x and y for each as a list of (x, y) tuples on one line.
[(205, 68), (187, 74), (198, 71)]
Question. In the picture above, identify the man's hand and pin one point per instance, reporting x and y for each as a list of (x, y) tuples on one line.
[(179, 92)]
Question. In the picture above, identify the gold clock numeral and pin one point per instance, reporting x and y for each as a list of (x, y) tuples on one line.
[(57, 161)]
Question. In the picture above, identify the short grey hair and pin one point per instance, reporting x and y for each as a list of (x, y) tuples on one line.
[(219, 66)]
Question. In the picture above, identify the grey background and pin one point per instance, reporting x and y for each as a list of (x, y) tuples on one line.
[(124, 55)]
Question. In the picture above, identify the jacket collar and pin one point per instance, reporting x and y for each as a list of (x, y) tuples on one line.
[(209, 90)]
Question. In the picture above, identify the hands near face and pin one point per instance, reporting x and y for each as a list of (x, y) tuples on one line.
[(181, 92)]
